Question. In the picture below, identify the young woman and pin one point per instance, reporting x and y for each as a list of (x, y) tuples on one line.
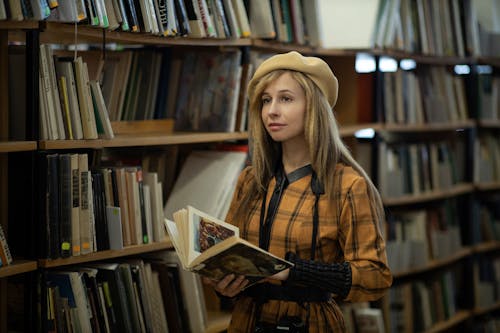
[(304, 198)]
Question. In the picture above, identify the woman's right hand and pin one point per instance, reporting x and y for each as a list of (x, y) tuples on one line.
[(229, 286)]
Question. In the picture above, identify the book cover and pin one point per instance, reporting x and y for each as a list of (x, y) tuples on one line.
[(213, 248)]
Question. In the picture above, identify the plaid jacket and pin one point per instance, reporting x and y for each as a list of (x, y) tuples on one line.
[(347, 231)]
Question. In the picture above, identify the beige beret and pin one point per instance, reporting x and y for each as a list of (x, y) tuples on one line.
[(315, 68)]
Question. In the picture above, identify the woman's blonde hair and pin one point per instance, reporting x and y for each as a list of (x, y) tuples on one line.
[(322, 135)]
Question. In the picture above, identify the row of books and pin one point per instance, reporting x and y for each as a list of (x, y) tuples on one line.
[(416, 237), (486, 282), (150, 294), (157, 84), (486, 212), (486, 158), (443, 27), (418, 305), (488, 97), (80, 96), (427, 95), (415, 168), (88, 210), (5, 255), (193, 18), (72, 105)]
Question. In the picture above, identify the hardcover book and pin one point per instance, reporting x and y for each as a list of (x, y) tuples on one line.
[(213, 248)]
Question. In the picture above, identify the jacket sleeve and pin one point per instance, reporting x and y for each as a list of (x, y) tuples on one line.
[(363, 245)]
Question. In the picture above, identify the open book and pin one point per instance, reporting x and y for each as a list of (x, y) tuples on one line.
[(213, 248)]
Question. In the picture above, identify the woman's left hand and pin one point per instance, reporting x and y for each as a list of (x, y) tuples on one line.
[(229, 286)]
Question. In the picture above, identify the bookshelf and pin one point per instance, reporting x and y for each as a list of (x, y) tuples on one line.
[(466, 190)]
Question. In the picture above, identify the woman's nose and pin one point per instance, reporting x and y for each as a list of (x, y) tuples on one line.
[(273, 108)]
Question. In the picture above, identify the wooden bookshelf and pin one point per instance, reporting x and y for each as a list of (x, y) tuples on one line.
[(64, 33), (153, 139), (103, 255), (486, 247), (14, 146), (429, 127), (489, 123), (350, 130), (491, 186), (409, 199), (18, 25), (485, 310), (457, 318), (18, 267), (434, 264)]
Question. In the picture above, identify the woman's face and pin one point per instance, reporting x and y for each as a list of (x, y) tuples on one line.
[(284, 109)]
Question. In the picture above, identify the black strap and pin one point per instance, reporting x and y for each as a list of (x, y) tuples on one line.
[(264, 292)]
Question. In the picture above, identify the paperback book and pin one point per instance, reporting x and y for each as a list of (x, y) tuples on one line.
[(213, 248)]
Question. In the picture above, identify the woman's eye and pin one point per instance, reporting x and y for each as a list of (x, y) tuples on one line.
[(266, 100), (286, 99)]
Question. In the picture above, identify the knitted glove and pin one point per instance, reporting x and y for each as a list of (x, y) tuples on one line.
[(335, 278)]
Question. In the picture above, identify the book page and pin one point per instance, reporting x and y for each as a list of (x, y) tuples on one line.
[(174, 237), (237, 256), (205, 231)]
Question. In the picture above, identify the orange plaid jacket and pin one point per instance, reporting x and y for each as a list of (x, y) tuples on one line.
[(348, 231)]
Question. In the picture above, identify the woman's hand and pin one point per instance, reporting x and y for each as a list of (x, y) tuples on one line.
[(229, 286)]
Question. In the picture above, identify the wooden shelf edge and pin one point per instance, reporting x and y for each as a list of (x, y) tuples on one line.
[(490, 186), (459, 317), (15, 146), (19, 25), (152, 139), (18, 267), (217, 321), (434, 264), (108, 254), (351, 129), (408, 199), (87, 33), (486, 247), (428, 127), (489, 123), (484, 310)]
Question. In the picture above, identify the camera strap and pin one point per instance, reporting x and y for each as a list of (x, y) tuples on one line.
[(298, 295)]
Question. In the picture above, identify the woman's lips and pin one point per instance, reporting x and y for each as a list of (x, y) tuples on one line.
[(275, 126)]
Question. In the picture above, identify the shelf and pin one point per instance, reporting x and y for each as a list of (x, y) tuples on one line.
[(152, 139), (409, 199), (433, 264), (489, 123), (350, 130), (18, 25), (14, 146), (459, 317), (482, 311), (493, 61), (491, 186), (275, 46), (486, 247), (65, 33), (217, 321), (103, 255), (18, 267), (429, 127), (427, 58)]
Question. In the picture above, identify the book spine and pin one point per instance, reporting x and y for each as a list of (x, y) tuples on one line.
[(75, 205), (5, 255), (65, 204), (140, 183)]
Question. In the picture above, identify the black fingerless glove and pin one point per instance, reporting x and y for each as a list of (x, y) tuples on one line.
[(335, 278)]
